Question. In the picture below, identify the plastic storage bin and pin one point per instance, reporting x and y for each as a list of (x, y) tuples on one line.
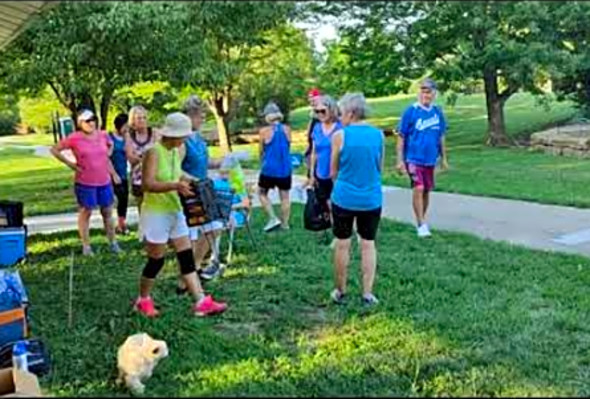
[(13, 245)]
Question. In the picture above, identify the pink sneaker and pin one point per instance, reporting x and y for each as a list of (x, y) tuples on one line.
[(207, 307), (145, 306)]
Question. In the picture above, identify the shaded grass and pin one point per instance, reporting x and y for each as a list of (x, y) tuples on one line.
[(458, 316)]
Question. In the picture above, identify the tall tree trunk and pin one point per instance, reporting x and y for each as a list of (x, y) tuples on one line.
[(87, 102), (68, 100), (105, 102), (73, 107), (220, 107), (495, 106), (223, 132)]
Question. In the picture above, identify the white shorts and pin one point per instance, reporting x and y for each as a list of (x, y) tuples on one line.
[(197, 231), (159, 228)]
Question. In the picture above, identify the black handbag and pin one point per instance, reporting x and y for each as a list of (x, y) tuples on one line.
[(315, 216)]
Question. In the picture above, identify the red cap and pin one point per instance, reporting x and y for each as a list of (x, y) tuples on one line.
[(313, 92)]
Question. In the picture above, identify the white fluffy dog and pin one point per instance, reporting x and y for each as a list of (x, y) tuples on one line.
[(137, 358)]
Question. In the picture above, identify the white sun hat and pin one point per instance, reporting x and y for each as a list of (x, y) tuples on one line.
[(85, 115), (177, 125)]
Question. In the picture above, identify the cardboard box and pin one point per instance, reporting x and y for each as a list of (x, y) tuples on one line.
[(18, 384)]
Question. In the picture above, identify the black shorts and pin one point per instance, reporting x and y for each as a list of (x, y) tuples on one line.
[(367, 223), (323, 189), (268, 183)]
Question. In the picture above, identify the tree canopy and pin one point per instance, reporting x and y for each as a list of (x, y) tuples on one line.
[(85, 51), (239, 55)]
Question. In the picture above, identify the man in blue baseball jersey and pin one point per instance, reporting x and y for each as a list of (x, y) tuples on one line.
[(421, 141)]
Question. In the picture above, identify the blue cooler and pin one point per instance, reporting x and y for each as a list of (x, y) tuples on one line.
[(13, 245)]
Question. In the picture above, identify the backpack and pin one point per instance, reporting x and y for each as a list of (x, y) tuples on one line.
[(315, 217)]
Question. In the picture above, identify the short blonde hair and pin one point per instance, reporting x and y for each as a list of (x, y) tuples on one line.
[(134, 111)]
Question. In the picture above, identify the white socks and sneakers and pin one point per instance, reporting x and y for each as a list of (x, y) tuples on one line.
[(423, 231)]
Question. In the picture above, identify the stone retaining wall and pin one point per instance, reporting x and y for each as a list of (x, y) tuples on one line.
[(571, 140)]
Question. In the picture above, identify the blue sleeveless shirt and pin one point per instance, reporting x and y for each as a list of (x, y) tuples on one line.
[(196, 160), (118, 157), (276, 155), (323, 149), (358, 184)]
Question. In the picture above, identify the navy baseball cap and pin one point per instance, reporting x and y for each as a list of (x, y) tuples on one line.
[(428, 84)]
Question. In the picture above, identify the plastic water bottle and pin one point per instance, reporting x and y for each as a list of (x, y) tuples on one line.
[(19, 356)]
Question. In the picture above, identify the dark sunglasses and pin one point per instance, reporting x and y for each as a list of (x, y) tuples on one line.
[(321, 111)]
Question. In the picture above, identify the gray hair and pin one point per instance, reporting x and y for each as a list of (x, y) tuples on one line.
[(354, 103), (330, 105), (272, 113), (193, 104)]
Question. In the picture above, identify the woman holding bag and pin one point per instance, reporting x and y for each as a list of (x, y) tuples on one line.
[(162, 219)]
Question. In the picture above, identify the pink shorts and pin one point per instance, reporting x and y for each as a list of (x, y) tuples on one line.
[(421, 176)]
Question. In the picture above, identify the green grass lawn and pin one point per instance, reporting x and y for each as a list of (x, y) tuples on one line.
[(516, 173), (43, 184), (476, 169), (459, 316), (29, 139)]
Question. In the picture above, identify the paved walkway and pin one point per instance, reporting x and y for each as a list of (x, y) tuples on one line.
[(532, 225)]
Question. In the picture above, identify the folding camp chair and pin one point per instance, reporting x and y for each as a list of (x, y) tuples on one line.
[(233, 216), (241, 215)]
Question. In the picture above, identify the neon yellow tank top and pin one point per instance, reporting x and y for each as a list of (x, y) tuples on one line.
[(168, 171)]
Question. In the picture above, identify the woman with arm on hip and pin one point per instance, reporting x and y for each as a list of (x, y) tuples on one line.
[(94, 170)]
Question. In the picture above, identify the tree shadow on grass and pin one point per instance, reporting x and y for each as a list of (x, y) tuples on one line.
[(459, 316)]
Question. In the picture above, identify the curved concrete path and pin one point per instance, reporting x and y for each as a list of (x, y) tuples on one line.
[(536, 226)]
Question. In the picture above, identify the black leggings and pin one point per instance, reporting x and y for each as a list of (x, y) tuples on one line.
[(122, 194)]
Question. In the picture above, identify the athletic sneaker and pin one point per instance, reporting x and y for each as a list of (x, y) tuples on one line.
[(424, 231), (211, 271), (87, 251), (115, 248), (370, 300), (337, 297), (146, 307), (122, 231), (272, 224), (208, 307)]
